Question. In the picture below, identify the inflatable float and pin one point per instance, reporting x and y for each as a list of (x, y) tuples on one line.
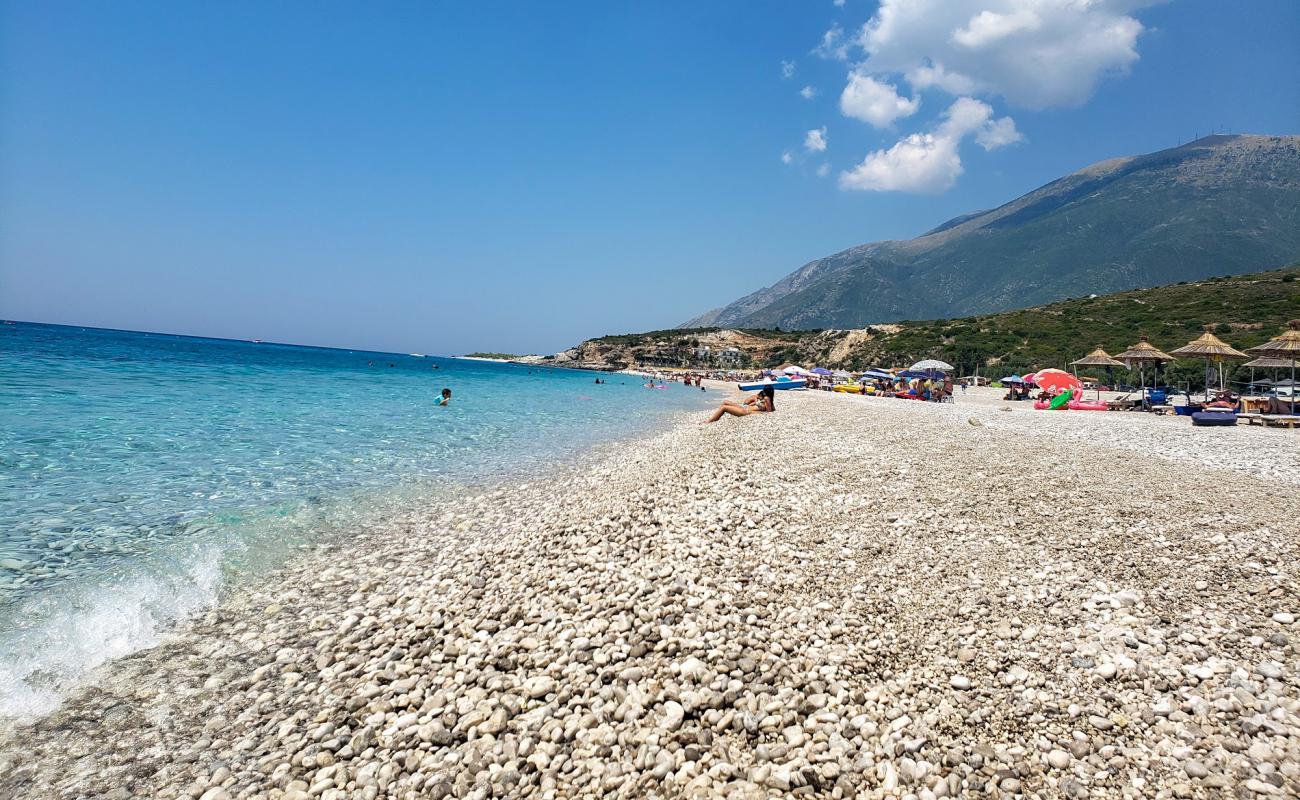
[(848, 388), (1062, 400), (1085, 405), (1225, 417)]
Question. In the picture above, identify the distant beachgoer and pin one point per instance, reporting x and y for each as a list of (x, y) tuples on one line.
[(444, 399), (763, 402)]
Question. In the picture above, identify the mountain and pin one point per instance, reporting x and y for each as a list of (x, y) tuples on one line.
[(1218, 205), (1245, 310)]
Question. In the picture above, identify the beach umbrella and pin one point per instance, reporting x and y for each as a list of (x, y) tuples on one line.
[(879, 374), (795, 370), (1212, 350), (820, 371), (930, 365), (1142, 354), (1264, 362), (1285, 347), (1057, 380), (1097, 358)]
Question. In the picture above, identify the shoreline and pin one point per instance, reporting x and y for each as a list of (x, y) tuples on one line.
[(831, 598)]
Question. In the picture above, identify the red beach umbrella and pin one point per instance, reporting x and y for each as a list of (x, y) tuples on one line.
[(1057, 380)]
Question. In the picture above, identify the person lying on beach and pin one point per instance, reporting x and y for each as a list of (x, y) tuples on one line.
[(763, 402), (444, 399)]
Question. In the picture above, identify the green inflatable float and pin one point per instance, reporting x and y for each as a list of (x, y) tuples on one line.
[(1060, 400)]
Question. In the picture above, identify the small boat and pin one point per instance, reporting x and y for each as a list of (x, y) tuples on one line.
[(779, 383), (416, 355)]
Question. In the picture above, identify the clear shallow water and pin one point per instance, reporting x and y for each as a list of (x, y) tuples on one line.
[(142, 473)]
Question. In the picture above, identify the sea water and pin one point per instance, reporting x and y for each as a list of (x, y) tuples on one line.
[(143, 474)]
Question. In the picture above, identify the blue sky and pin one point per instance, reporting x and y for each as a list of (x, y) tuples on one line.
[(447, 177)]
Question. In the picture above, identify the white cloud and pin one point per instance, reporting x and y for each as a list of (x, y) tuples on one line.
[(838, 3), (815, 140), (874, 101), (927, 163), (807, 92), (1035, 53), (823, 170), (834, 45), (998, 133), (787, 69), (922, 163), (786, 158), (928, 75)]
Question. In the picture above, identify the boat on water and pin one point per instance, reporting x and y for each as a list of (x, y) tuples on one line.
[(779, 383), (417, 355)]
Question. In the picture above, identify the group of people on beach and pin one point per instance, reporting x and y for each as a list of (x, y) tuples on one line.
[(936, 390)]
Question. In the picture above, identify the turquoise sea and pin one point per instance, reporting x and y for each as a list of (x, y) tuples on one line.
[(142, 474)]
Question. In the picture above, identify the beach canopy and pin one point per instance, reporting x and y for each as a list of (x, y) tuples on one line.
[(1097, 358), (1209, 347), (1264, 362), (794, 369), (1286, 348), (839, 373), (930, 364), (1212, 350), (1140, 355), (820, 371), (1144, 352), (879, 374), (1057, 380), (1013, 379)]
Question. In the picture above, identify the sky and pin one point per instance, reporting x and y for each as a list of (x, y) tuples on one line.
[(518, 176)]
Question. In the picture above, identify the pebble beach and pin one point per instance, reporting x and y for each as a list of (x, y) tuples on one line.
[(852, 597)]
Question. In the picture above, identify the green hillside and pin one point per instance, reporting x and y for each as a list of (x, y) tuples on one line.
[(1244, 310)]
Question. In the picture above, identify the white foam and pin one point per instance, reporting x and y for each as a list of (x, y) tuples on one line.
[(60, 637)]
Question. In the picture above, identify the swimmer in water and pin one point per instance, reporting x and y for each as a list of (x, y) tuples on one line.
[(444, 399)]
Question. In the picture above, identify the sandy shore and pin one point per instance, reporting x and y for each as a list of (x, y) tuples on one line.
[(853, 597)]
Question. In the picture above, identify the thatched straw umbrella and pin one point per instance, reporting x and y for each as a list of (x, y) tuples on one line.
[(1097, 358), (1264, 362), (1212, 350), (1142, 354), (1286, 347)]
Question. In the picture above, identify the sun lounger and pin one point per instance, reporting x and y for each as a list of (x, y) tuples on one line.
[(1281, 420), (1252, 418)]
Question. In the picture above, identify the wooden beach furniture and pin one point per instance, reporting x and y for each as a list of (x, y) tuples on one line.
[(1281, 420)]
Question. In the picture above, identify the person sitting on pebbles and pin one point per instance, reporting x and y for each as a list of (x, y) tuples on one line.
[(763, 402)]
